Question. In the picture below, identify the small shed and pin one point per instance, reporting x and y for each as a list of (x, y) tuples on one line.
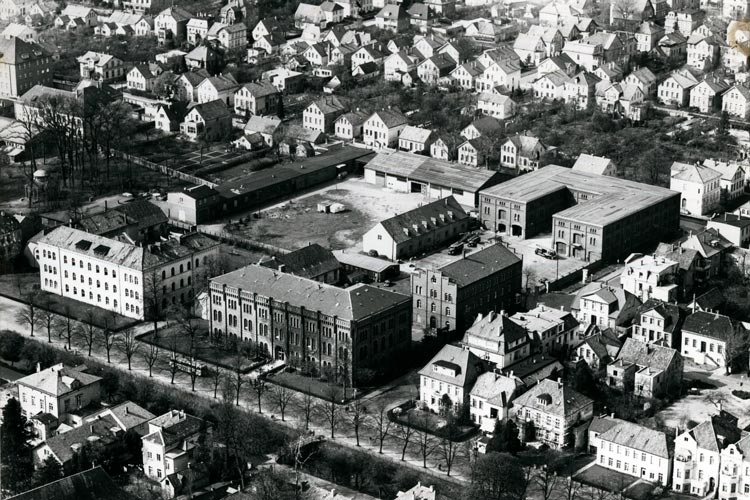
[(337, 208)]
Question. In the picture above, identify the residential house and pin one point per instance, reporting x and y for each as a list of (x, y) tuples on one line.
[(703, 52), (220, 88), (562, 63), (265, 27), (631, 449), (262, 127), (551, 413), (383, 127), (706, 96), (649, 370), (485, 126), (432, 70), (197, 29), (675, 90), (446, 381), (735, 58), (631, 16), (687, 260), (398, 64), (580, 89), (231, 37), (522, 152), (490, 399), (20, 31), (595, 165), (732, 178), (700, 187), (440, 150), (187, 85), (171, 24), (605, 307), (170, 443), (420, 16), (530, 49), (392, 18), (552, 331), (551, 85), (499, 340), (500, 69), (309, 15), (673, 46), (210, 120), (59, 391), (284, 79), (706, 338), (736, 101), (321, 114), (598, 350), (496, 105), (733, 228), (415, 139), (472, 152), (650, 277), (699, 454), (644, 79), (260, 98), (349, 125), (648, 36), (416, 231), (203, 57), (658, 322), (585, 53), (332, 12), (367, 54), (98, 66), (711, 247)]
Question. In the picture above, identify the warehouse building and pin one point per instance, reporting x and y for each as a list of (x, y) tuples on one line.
[(431, 177), (591, 217)]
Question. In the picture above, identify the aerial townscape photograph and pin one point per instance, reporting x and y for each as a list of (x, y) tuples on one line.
[(375, 249)]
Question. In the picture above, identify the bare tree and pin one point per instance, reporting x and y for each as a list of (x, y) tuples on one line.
[(357, 416), (128, 345), (153, 297), (217, 376), (87, 330), (572, 489), (65, 325), (45, 315), (238, 380), (150, 357), (405, 431), (282, 397), (736, 345), (194, 370), (174, 357), (382, 424), (307, 406), (109, 337), (28, 315), (330, 409), (449, 445), (426, 441), (259, 388)]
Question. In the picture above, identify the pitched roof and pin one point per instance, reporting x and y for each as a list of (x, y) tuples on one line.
[(128, 415), (644, 75), (144, 212), (637, 437), (672, 314), (482, 263), (391, 117), (353, 303), (264, 124), (90, 244), (707, 324), (465, 365), (497, 389), (355, 118), (495, 328), (177, 13), (603, 345), (308, 262), (211, 110), (93, 484), (592, 164), (693, 173), (13, 50), (436, 214), (645, 355), (102, 430), (717, 433), (329, 104), (486, 125), (415, 134), (553, 397), (58, 379), (524, 143)]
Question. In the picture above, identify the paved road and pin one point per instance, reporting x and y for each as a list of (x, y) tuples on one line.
[(344, 433)]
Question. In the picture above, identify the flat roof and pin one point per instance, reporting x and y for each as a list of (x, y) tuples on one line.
[(613, 197), (432, 170)]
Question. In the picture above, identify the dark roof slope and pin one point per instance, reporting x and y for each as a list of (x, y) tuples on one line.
[(93, 484), (713, 325), (307, 262), (480, 264), (436, 214), (144, 212)]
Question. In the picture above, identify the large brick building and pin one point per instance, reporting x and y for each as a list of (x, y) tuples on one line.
[(452, 296), (294, 318), (592, 217)]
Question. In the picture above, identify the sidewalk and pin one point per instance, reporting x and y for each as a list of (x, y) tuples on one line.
[(204, 388)]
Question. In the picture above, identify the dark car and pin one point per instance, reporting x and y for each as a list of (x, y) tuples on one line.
[(547, 254)]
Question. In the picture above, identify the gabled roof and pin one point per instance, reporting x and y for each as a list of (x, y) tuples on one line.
[(263, 124), (527, 42), (391, 117), (309, 261), (644, 75), (480, 264), (525, 143), (392, 11), (494, 329), (707, 324), (415, 134), (496, 389), (177, 13), (329, 104), (592, 164), (102, 430), (93, 484), (717, 433), (261, 89), (485, 125), (128, 415), (355, 118), (437, 214), (13, 50), (637, 437), (211, 110), (58, 379), (604, 345), (645, 355), (672, 314), (693, 173), (741, 89)]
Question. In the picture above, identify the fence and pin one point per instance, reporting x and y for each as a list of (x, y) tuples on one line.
[(242, 242), (137, 160)]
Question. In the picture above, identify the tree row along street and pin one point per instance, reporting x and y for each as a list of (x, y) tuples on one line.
[(419, 450)]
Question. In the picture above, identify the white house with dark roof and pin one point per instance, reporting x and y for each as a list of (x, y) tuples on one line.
[(699, 456), (320, 115), (169, 443), (631, 449), (446, 381), (732, 177), (552, 331), (98, 66), (349, 125), (498, 339), (604, 306), (736, 101), (658, 322), (523, 152), (643, 78), (490, 399), (392, 18), (675, 90), (211, 120), (700, 187), (383, 128), (418, 230), (705, 336), (259, 98), (598, 350), (552, 413), (220, 88), (706, 96)]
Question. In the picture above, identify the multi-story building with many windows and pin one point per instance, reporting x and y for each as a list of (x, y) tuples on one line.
[(120, 277), (591, 216), (295, 318), (22, 66), (57, 391)]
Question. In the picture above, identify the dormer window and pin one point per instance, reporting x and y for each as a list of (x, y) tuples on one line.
[(544, 400)]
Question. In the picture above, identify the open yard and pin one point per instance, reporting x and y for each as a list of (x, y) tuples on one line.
[(297, 223), (606, 479)]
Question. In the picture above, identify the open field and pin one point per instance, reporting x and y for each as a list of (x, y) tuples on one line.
[(297, 223)]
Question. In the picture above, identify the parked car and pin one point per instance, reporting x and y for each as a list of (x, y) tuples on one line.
[(544, 252), (455, 248)]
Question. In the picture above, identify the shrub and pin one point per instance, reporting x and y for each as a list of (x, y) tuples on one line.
[(741, 394)]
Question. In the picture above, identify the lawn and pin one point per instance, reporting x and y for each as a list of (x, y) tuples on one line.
[(640, 491), (20, 286), (601, 477), (297, 224), (311, 385), (173, 339)]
